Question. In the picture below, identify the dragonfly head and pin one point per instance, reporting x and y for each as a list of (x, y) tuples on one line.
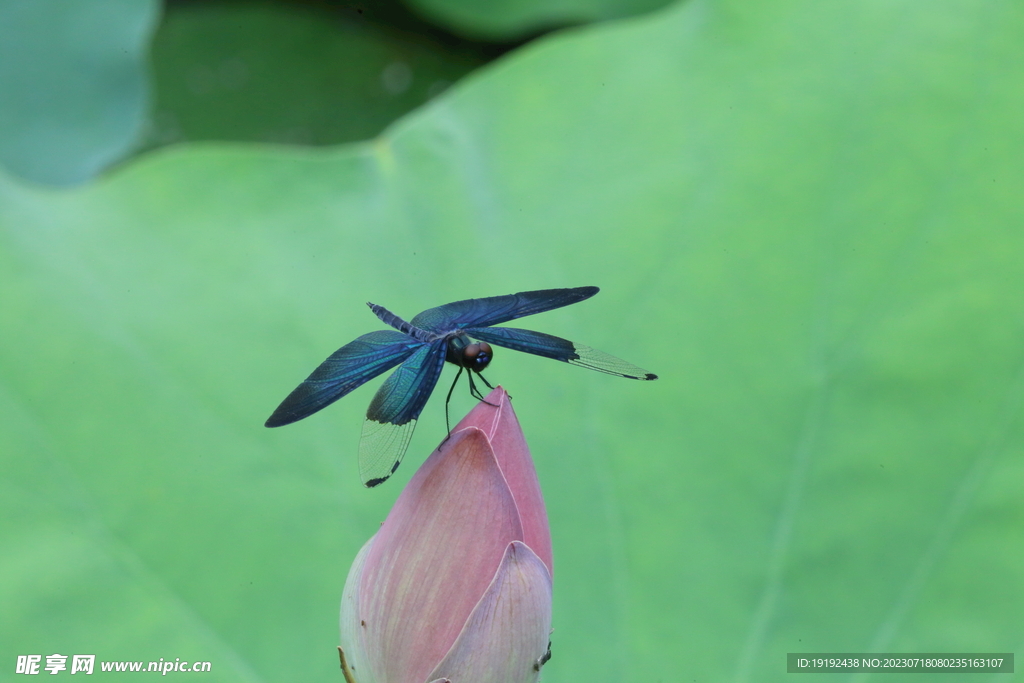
[(477, 356)]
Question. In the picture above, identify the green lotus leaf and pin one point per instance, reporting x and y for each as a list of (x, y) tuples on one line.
[(73, 89)]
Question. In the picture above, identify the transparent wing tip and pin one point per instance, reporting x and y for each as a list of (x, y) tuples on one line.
[(381, 448), (593, 359)]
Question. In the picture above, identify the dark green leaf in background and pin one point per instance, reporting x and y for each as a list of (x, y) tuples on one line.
[(512, 19), (73, 85), (279, 72), (804, 216)]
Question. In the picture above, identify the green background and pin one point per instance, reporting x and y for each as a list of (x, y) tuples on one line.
[(804, 216)]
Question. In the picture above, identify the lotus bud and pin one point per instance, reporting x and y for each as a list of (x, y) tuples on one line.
[(455, 587)]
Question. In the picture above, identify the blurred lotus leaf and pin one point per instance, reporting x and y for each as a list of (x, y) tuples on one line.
[(73, 89)]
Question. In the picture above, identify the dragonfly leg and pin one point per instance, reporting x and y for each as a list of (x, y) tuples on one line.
[(447, 399), (481, 375), (476, 392)]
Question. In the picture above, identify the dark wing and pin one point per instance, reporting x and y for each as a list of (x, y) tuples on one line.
[(498, 309), (549, 346), (344, 370), (391, 417)]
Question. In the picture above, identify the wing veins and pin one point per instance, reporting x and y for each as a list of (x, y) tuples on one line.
[(550, 346), (391, 417), (498, 309), (342, 372)]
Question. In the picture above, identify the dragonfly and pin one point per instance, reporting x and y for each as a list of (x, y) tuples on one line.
[(460, 333)]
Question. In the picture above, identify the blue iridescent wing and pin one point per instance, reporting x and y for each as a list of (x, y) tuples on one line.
[(344, 370), (549, 346), (391, 417), (498, 309)]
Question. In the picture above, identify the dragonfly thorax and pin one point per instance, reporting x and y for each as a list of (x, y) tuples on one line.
[(469, 354)]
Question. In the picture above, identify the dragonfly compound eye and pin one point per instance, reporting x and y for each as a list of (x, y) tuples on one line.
[(477, 356)]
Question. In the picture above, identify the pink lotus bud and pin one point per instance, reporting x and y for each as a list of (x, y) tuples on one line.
[(456, 584)]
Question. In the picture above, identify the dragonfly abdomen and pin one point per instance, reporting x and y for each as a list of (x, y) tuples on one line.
[(401, 325)]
